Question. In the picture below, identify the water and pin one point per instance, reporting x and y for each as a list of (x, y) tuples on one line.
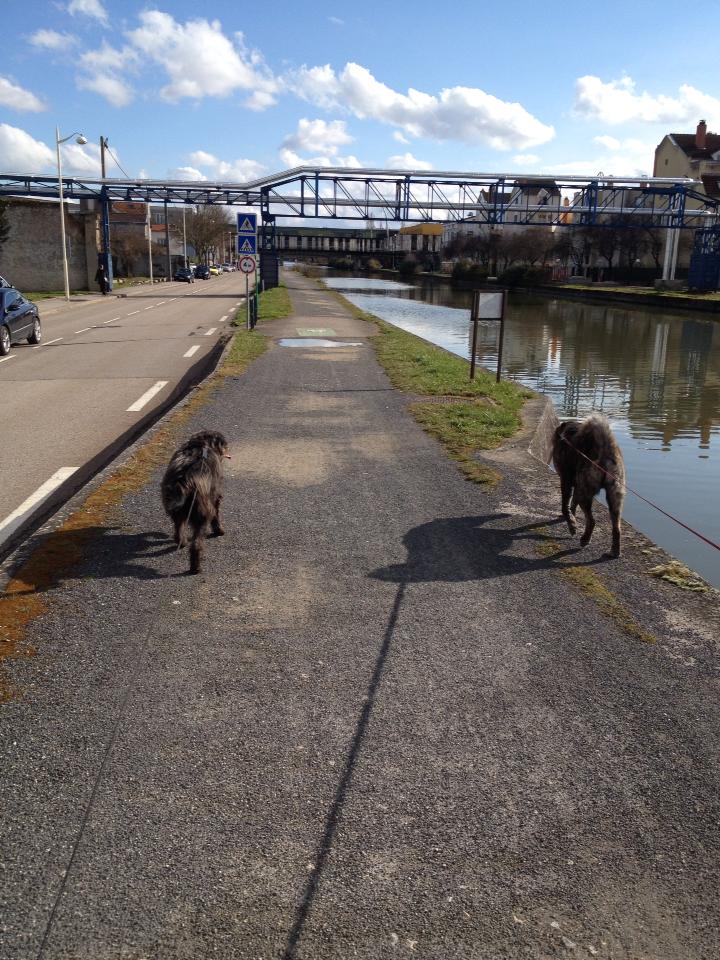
[(655, 375)]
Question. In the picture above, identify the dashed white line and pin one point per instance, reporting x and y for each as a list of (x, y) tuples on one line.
[(211, 331), (159, 303), (192, 350), (10, 356), (147, 396), (132, 313), (84, 330), (150, 307), (111, 321), (222, 319), (48, 342), (171, 299), (11, 523)]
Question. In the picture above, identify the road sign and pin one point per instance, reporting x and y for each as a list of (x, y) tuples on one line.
[(247, 264), (247, 244), (247, 223)]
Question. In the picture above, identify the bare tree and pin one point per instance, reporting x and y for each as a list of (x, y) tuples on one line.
[(206, 229)]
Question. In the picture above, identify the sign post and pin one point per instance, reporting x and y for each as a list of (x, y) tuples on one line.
[(487, 305), (247, 266), (247, 250)]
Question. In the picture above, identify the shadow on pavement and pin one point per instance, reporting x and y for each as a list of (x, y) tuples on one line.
[(455, 549)]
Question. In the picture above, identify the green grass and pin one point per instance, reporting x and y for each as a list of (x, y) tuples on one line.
[(48, 294), (275, 304), (473, 415), (644, 291)]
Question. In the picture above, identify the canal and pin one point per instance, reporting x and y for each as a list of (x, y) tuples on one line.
[(655, 375)]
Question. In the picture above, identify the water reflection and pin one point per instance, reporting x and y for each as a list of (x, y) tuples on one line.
[(655, 375)]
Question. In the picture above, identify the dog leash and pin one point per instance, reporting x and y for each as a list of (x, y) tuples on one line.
[(641, 497)]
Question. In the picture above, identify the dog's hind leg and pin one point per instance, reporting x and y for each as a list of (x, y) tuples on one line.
[(614, 502), (565, 494), (196, 552), (586, 507), (217, 527), (180, 536)]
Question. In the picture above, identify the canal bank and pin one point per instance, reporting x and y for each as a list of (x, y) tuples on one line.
[(655, 375), (390, 714)]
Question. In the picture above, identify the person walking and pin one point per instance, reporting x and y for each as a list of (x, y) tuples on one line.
[(102, 279)]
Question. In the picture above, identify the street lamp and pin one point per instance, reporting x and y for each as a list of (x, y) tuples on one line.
[(79, 139)]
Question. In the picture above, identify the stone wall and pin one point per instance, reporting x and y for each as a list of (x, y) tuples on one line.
[(31, 257)]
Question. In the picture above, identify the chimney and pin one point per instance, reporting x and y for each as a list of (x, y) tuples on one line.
[(700, 135)]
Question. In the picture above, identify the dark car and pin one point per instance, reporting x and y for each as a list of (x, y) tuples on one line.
[(185, 274), (202, 271), (19, 319)]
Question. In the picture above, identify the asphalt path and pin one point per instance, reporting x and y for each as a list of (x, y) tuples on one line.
[(104, 364), (381, 723)]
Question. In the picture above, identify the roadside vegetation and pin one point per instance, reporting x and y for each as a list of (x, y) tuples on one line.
[(465, 415)]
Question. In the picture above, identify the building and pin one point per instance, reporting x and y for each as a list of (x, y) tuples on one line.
[(693, 155), (418, 238), (31, 257)]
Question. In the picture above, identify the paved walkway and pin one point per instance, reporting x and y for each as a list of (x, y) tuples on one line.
[(380, 724)]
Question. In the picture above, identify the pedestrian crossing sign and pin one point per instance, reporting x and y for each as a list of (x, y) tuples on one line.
[(247, 245), (247, 223)]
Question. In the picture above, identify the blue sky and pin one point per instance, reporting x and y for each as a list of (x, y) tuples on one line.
[(231, 91)]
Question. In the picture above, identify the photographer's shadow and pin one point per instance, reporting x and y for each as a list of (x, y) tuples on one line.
[(455, 549)]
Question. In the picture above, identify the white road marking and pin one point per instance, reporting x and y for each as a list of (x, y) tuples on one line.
[(147, 396), (150, 307), (160, 303), (84, 330), (192, 350), (111, 321), (222, 319), (171, 299), (211, 331), (132, 313), (10, 356), (11, 523), (48, 342)]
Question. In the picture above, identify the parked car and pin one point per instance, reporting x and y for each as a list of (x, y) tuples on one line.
[(228, 268), (19, 319), (202, 272), (185, 274), (215, 270)]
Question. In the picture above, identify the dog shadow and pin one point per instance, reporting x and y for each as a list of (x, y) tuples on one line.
[(93, 553), (454, 549)]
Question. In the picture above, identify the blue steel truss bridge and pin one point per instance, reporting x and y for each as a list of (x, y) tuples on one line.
[(409, 196)]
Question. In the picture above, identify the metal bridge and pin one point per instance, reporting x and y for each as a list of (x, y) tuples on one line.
[(407, 196)]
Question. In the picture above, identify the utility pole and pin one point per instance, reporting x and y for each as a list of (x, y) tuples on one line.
[(105, 253), (103, 148)]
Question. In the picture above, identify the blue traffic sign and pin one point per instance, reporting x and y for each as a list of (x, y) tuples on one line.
[(246, 244), (247, 223)]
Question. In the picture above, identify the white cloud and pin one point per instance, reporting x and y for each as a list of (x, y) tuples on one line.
[(104, 73), (89, 8), (465, 114), (201, 61), (17, 98), (406, 161), (115, 91), (401, 138), (21, 152), (291, 159), (239, 170), (337, 21), (318, 135), (186, 173), (617, 102), (526, 159), (618, 158), (52, 40)]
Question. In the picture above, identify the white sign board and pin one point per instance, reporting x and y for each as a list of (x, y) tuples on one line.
[(247, 264), (247, 223), (490, 305)]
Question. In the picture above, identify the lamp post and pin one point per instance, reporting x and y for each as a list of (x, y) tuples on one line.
[(79, 139)]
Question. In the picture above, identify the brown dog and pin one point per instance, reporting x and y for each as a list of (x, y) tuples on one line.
[(576, 443), (192, 490)]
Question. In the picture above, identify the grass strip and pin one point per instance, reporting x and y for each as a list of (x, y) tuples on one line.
[(26, 596), (473, 415), (592, 586)]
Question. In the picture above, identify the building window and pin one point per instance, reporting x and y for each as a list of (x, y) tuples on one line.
[(413, 242)]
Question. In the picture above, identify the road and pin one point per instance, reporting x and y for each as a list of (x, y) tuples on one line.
[(103, 366)]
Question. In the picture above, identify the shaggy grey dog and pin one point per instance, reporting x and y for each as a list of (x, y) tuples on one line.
[(575, 444), (192, 490)]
